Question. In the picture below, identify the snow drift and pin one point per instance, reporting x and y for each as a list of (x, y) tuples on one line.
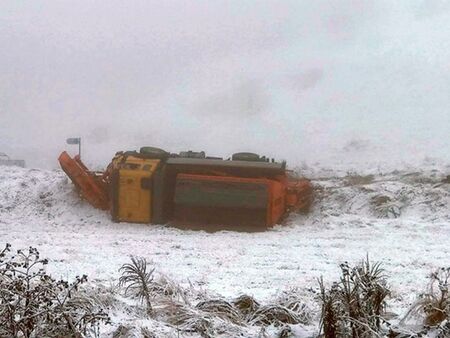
[(399, 217)]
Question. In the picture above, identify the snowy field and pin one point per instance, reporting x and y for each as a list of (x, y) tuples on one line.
[(401, 218)]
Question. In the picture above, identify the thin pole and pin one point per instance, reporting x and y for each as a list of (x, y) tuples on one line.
[(79, 147)]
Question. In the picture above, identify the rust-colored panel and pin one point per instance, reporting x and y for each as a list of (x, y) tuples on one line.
[(230, 199), (90, 186), (277, 202)]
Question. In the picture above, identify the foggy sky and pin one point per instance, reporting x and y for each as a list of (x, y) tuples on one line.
[(298, 80)]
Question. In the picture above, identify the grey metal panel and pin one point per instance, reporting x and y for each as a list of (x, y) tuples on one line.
[(226, 164), (218, 194)]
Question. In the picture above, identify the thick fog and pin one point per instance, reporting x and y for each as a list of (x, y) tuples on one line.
[(299, 80)]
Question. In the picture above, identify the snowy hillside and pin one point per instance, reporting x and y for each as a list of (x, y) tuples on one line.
[(401, 218)]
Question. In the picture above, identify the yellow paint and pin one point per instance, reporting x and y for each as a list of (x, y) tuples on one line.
[(134, 200)]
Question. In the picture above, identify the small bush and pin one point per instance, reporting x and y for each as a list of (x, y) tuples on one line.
[(354, 305), (434, 305), (138, 281), (32, 303)]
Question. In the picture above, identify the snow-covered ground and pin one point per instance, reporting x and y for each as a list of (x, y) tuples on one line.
[(401, 218)]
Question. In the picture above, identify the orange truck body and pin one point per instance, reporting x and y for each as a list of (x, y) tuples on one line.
[(162, 187)]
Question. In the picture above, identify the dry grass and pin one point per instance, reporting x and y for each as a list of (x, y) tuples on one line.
[(434, 305), (384, 207), (171, 304), (222, 309), (246, 305), (276, 315), (353, 179), (292, 301)]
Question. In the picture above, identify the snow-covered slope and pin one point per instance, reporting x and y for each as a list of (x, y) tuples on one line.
[(401, 218), (408, 195)]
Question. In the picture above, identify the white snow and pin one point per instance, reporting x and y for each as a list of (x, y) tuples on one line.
[(349, 221)]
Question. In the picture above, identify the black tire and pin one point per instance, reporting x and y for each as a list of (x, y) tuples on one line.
[(246, 157), (153, 152)]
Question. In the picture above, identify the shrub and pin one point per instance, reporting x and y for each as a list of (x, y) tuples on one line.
[(436, 302), (138, 281), (354, 305), (32, 303), (434, 305)]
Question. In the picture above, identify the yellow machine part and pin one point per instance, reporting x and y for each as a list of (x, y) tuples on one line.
[(135, 189)]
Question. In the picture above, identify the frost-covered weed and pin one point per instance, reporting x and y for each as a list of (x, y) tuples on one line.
[(355, 305), (433, 306), (33, 304), (172, 306), (137, 280)]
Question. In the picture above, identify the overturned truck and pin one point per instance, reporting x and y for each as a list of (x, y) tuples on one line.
[(154, 186)]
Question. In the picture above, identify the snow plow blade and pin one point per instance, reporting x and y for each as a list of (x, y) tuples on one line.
[(90, 186)]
